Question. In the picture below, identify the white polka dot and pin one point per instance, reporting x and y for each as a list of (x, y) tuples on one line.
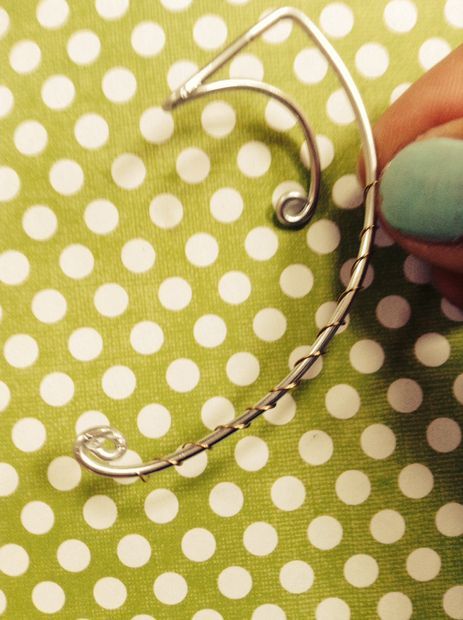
[(90, 419), (234, 287), (83, 47), (180, 72), (324, 313), (14, 560), (387, 526), (5, 396), (101, 216), (433, 51), (111, 299), (450, 311), (66, 177), (217, 410), (310, 66), (210, 32), (342, 401), (161, 506), (254, 159), (193, 165), (25, 56), (128, 171), (146, 337), (138, 255), (337, 20), (278, 116), (247, 66), (226, 205), (76, 261), (170, 588), (153, 420), (458, 388), (210, 331), (339, 108), (48, 597), (52, 14), (37, 517), (194, 466), (449, 519), (183, 375), (133, 550), (325, 151), (226, 499), (57, 389), (14, 267), (416, 270), (454, 15), (346, 269), (399, 91), (9, 479), (91, 131), (261, 243), (6, 100), (28, 434), (110, 593), (267, 611), (218, 119), (372, 60), (202, 249), (85, 344), (251, 453), (353, 487), (100, 512), (423, 564), (453, 602), (366, 356), (278, 33), (400, 15), (166, 211), (243, 368), (444, 435), (119, 85), (315, 447), (382, 239), (296, 576), (198, 544), (9, 183), (332, 608), (393, 311), (269, 324), (21, 350), (39, 222), (432, 349), (416, 481), (119, 382), (378, 441), (30, 138), (288, 493), (323, 236), (176, 5), (347, 192), (324, 532), (4, 22), (156, 125), (112, 9), (405, 395), (283, 412), (296, 281), (361, 570), (148, 39), (260, 538), (73, 555), (49, 306), (235, 582), (58, 92), (175, 293), (64, 473), (395, 606)]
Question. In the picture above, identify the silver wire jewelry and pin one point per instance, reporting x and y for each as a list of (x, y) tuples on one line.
[(293, 210)]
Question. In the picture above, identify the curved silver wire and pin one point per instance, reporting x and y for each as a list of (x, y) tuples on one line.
[(91, 447)]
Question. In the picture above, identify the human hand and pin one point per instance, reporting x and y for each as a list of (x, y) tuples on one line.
[(419, 142)]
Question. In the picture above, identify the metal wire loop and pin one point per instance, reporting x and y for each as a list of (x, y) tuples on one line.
[(294, 209)]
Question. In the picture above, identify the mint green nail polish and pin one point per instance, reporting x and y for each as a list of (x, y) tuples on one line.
[(422, 190)]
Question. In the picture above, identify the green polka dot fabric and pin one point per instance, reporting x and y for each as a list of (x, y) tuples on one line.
[(145, 284)]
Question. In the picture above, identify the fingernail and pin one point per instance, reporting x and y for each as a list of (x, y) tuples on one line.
[(422, 190)]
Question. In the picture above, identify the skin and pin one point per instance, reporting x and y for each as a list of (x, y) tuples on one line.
[(431, 107)]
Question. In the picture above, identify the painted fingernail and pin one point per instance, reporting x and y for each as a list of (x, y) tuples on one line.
[(422, 190)]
